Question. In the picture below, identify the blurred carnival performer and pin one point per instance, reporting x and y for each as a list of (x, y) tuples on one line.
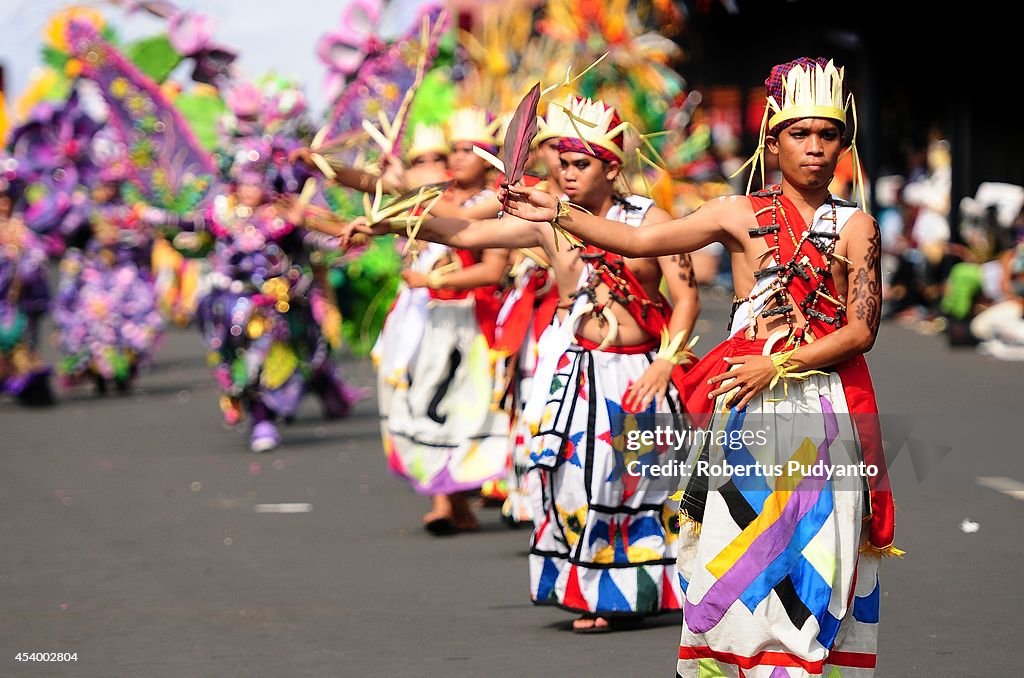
[(443, 433), (435, 369), (24, 301), (260, 317), (107, 321)]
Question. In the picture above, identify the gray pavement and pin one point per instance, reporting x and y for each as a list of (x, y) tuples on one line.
[(131, 532)]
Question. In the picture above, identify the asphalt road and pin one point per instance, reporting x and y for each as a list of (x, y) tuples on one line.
[(133, 532)]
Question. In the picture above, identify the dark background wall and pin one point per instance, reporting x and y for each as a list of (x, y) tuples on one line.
[(912, 67)]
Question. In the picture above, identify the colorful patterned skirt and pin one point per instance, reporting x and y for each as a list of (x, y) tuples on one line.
[(770, 558), (441, 432), (604, 539)]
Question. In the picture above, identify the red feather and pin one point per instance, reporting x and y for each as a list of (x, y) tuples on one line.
[(522, 128)]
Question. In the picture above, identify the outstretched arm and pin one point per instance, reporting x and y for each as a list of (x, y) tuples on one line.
[(504, 232), (704, 226), (484, 209), (393, 176), (507, 232), (490, 270)]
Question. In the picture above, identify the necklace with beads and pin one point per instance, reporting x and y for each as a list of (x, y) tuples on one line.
[(798, 265)]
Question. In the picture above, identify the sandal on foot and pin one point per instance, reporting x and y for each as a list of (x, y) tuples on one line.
[(441, 526)]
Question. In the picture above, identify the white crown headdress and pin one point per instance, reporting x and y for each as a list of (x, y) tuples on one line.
[(471, 124), (809, 90), (427, 139), (597, 124)]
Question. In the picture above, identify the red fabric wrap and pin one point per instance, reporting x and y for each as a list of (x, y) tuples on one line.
[(654, 321), (574, 145), (488, 299), (467, 259), (623, 350), (517, 322)]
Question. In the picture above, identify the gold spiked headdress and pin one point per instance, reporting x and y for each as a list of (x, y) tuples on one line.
[(596, 124), (807, 91), (805, 88)]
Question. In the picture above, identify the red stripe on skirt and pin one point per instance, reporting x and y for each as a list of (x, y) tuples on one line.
[(759, 659)]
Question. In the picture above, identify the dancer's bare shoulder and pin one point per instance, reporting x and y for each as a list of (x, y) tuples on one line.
[(730, 215)]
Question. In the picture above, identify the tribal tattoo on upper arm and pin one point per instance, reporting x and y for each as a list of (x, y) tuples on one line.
[(866, 292), (685, 272)]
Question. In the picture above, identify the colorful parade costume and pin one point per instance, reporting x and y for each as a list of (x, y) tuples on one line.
[(24, 300), (604, 539), (259, 311), (435, 373), (106, 316), (779, 563), (261, 320)]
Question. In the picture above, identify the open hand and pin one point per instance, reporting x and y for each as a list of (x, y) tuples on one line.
[(530, 203), (355, 232), (652, 384), (301, 154), (749, 375), (392, 174), (292, 209)]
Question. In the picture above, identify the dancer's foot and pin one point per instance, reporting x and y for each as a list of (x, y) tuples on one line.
[(39, 394), (439, 525), (264, 437), (440, 520), (462, 513), (33, 390), (591, 624)]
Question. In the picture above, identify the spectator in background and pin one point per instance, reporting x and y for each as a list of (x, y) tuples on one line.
[(978, 281), (1001, 327), (929, 239), (891, 226)]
